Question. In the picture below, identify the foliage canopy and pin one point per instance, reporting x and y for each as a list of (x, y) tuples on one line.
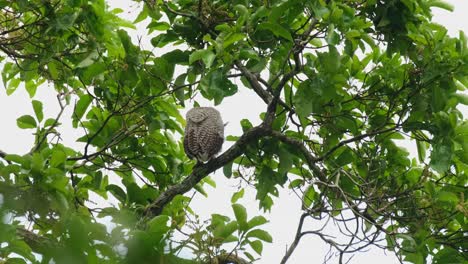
[(343, 83)]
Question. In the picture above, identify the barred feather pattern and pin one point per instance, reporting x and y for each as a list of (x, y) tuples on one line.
[(204, 133)]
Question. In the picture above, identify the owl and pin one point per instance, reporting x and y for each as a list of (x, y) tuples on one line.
[(204, 133)]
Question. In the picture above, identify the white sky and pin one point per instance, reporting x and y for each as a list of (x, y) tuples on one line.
[(286, 211)]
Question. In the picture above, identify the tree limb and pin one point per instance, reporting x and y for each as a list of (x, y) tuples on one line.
[(255, 83), (201, 171)]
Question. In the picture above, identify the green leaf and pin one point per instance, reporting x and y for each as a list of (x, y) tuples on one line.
[(276, 29), (37, 106), (246, 125), (215, 85), (160, 26), (462, 98), (241, 215), (90, 59), (80, 108), (260, 234), (159, 224), (330, 61), (449, 197), (117, 192), (243, 15), (303, 99), (207, 56), (233, 38), (180, 91), (49, 122), (15, 261), (345, 157), (12, 85), (256, 221), (296, 183), (199, 188), (422, 148), (441, 4), (441, 157), (31, 88), (21, 248), (57, 158), (26, 122), (308, 197), (237, 195), (225, 231), (257, 246), (227, 170), (15, 158), (163, 68), (285, 161)]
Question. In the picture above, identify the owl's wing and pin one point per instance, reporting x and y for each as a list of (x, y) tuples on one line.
[(191, 145), (210, 137)]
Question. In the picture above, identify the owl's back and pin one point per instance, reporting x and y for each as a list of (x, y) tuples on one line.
[(204, 133)]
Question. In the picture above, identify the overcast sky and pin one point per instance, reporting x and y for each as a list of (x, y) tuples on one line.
[(286, 211)]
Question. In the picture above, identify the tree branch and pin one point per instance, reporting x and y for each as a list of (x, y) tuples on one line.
[(201, 171), (255, 83), (37, 243)]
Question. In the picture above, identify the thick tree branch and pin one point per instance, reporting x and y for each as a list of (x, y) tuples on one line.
[(255, 83), (201, 171), (39, 244)]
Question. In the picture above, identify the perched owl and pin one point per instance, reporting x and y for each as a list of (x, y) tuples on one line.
[(204, 133)]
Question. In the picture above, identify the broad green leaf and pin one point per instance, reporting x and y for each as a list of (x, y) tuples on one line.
[(37, 106), (285, 161), (241, 215), (227, 230), (159, 224), (421, 147), (246, 124), (445, 196), (12, 85), (215, 86), (207, 56), (257, 246), (31, 87), (80, 108), (346, 157), (260, 234), (58, 157), (120, 194), (237, 195), (276, 29), (26, 122), (296, 183), (233, 38), (15, 158), (243, 15), (163, 68), (199, 188), (441, 157), (303, 100), (441, 4), (227, 170), (256, 221), (90, 59), (462, 98), (160, 26), (308, 196)]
